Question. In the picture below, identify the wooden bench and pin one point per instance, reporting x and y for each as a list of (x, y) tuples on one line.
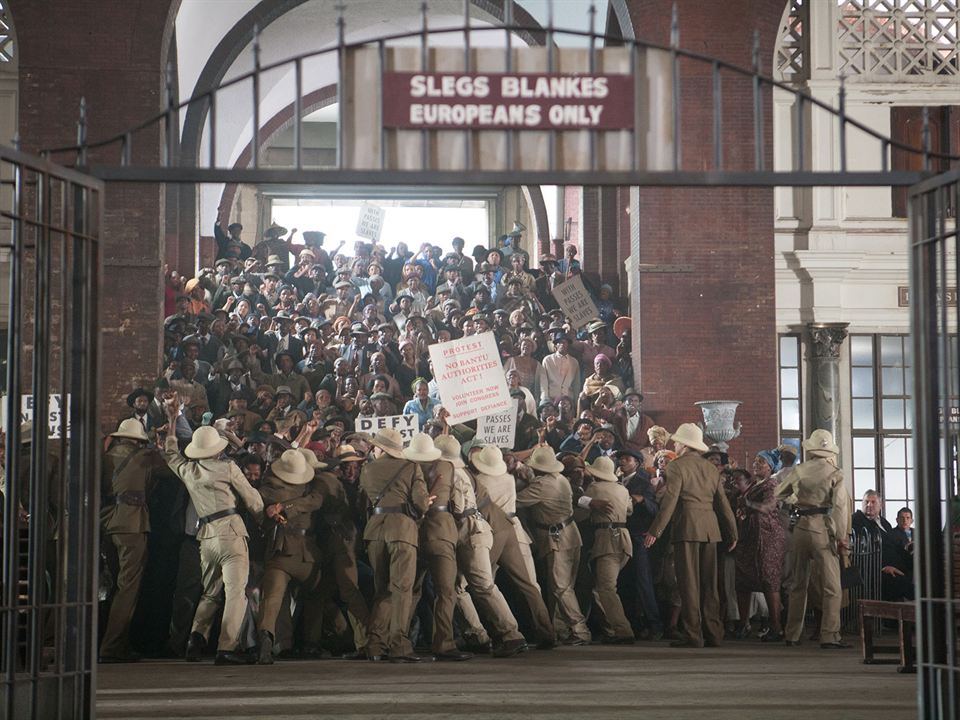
[(905, 613)]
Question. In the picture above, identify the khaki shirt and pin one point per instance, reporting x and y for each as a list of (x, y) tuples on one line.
[(473, 529), (550, 499), (611, 541), (136, 480), (502, 491), (214, 486), (407, 489), (817, 483), (693, 490), (437, 525), (299, 503)]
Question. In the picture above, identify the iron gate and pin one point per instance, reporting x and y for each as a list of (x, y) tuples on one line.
[(934, 246), (50, 526)]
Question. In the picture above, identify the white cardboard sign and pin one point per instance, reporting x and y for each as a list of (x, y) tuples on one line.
[(55, 407), (470, 378), (575, 301), (406, 425), (370, 222), (498, 429)]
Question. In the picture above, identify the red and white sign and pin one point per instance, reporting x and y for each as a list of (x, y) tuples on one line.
[(470, 377), (507, 101)]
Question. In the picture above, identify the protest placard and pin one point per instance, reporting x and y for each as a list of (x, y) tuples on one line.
[(470, 377), (406, 425), (370, 222), (498, 429), (575, 301), (55, 407)]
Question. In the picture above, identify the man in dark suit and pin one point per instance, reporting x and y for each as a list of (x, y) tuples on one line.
[(645, 508), (896, 573)]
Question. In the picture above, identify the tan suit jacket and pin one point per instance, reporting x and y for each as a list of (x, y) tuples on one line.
[(439, 525), (214, 486), (611, 541), (693, 491), (137, 479), (550, 500), (473, 529), (408, 489), (818, 483), (299, 503)]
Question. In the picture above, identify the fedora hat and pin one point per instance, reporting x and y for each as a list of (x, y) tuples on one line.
[(131, 398), (273, 260), (821, 444), (602, 468), (690, 435), (544, 460), (390, 441), (206, 443), (132, 429), (489, 461), (347, 453), (422, 449), (274, 231), (293, 468), (449, 450)]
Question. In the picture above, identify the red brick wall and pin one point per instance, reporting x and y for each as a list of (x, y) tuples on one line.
[(112, 52), (711, 333)]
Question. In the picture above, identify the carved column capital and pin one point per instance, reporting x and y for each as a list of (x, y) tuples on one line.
[(826, 340)]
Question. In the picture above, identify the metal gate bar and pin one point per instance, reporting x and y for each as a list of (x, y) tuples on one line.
[(50, 505), (934, 248)]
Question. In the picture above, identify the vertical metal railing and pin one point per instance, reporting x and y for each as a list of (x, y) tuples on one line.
[(50, 505), (933, 259)]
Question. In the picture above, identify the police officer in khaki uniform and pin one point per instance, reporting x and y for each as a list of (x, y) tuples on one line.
[(395, 490), (703, 517), (611, 548), (550, 499), (821, 512), (337, 537), (290, 498), (127, 477), (438, 546), (507, 551), (474, 542), (214, 484)]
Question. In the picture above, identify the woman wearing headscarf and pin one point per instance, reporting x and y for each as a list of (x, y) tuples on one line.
[(602, 375), (658, 437), (760, 551)]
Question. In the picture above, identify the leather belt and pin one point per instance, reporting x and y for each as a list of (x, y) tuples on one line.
[(804, 512), (609, 525), (206, 519), (439, 508), (134, 498), (555, 529), (399, 509), (292, 531), (470, 512)]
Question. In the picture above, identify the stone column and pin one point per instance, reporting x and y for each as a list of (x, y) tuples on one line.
[(826, 340)]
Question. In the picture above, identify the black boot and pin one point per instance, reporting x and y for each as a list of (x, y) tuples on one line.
[(266, 648), (195, 646)]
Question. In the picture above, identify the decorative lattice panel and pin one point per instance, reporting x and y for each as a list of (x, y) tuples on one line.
[(6, 35), (893, 39), (790, 43)]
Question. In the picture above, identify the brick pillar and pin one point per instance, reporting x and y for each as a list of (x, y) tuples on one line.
[(111, 52), (709, 333)]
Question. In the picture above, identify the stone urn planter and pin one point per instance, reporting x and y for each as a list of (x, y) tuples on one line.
[(718, 421)]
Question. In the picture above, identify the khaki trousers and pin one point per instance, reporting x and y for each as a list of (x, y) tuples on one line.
[(561, 573), (343, 567), (699, 597), (477, 577), (224, 566), (132, 558), (606, 570), (394, 566), (440, 558), (279, 571), (813, 551), (515, 559)]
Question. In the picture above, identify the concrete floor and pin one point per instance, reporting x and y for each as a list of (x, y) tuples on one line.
[(648, 680)]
